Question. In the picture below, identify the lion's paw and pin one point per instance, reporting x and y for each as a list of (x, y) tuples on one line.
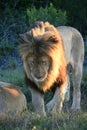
[(50, 106)]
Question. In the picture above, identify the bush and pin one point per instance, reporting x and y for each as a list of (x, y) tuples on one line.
[(11, 24), (14, 22), (54, 16)]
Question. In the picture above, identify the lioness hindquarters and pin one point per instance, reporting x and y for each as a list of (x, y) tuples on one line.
[(12, 100)]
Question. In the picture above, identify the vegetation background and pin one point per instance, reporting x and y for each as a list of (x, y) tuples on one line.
[(15, 18)]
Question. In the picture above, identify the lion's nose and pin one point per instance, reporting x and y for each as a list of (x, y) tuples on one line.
[(38, 76)]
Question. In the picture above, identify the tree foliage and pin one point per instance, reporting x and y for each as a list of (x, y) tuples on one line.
[(76, 9), (76, 12), (14, 21), (49, 13)]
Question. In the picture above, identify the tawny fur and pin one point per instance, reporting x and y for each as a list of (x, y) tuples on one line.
[(45, 34), (12, 100), (65, 47)]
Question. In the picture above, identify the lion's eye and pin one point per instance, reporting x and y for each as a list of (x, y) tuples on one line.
[(32, 62), (43, 62)]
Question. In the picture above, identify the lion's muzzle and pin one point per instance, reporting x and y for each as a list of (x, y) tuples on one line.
[(39, 77)]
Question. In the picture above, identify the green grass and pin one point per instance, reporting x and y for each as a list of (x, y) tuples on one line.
[(29, 121), (12, 75), (15, 76)]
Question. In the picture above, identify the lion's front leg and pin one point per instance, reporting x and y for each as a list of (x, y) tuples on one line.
[(38, 102), (57, 102)]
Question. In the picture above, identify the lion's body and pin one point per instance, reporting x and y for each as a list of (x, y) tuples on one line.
[(73, 45), (47, 53), (12, 100), (74, 53)]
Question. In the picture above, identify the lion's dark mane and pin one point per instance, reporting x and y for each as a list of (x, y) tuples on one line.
[(44, 39), (31, 84)]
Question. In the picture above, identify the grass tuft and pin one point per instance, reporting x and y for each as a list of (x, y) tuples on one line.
[(67, 120)]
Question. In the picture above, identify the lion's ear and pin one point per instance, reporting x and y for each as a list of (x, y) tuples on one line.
[(25, 37), (53, 39), (50, 37), (21, 36)]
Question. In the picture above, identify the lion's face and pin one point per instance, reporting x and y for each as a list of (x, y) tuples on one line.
[(43, 55), (38, 67)]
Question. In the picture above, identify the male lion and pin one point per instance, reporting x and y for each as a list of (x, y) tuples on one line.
[(47, 53)]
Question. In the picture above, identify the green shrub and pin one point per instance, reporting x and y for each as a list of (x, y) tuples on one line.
[(16, 21), (6, 49), (51, 14)]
